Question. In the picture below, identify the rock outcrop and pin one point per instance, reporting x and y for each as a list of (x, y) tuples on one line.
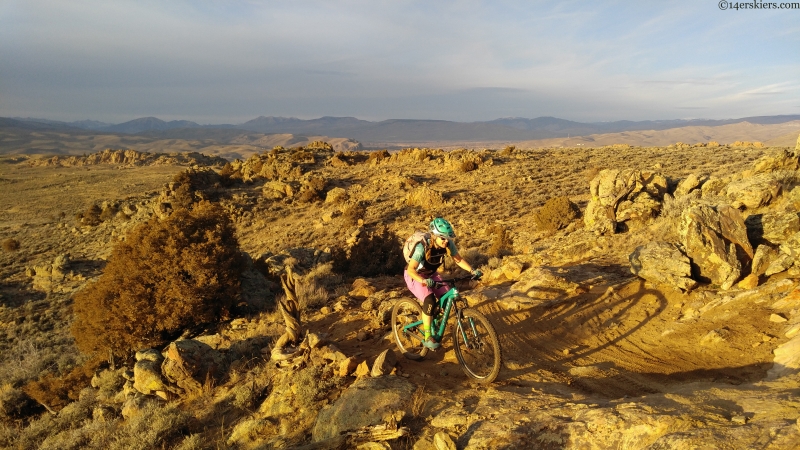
[(663, 263), (623, 195), (366, 402), (713, 238), (753, 192), (189, 364)]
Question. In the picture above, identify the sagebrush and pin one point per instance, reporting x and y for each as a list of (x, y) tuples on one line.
[(376, 253), (555, 214), (165, 277)]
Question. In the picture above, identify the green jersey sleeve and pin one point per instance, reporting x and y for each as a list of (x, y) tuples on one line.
[(419, 253)]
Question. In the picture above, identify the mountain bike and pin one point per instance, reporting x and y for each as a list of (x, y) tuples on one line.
[(474, 337)]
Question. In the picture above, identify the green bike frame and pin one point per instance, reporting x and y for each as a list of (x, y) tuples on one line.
[(439, 322)]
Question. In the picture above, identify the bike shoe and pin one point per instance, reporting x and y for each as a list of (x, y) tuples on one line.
[(430, 344)]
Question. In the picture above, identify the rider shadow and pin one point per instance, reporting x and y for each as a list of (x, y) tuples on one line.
[(551, 332)]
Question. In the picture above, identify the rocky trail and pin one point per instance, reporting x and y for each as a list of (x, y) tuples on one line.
[(691, 343)]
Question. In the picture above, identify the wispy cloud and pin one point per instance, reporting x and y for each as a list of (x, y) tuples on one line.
[(112, 60)]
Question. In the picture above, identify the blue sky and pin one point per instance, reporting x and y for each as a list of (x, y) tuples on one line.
[(231, 61)]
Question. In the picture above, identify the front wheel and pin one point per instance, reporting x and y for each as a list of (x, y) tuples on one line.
[(409, 340), (477, 347)]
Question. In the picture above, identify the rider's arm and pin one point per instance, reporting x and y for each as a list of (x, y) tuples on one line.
[(412, 271), (461, 262)]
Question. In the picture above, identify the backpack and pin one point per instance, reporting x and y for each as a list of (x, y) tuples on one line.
[(413, 240)]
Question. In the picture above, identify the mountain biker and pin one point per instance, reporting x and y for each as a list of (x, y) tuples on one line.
[(421, 276)]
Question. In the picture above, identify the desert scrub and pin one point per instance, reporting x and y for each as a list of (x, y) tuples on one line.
[(555, 214), (501, 242), (375, 253), (10, 245), (55, 391), (15, 404), (194, 185), (378, 156), (312, 190), (90, 217), (467, 166), (310, 294), (352, 213), (165, 277)]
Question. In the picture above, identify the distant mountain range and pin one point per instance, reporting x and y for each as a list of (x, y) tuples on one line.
[(386, 131)]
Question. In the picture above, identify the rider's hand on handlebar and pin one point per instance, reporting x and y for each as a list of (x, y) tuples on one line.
[(477, 274), (429, 282)]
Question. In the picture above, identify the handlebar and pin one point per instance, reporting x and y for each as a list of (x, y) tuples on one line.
[(453, 280)]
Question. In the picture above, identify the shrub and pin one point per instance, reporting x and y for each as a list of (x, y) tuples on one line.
[(89, 217), (501, 242), (467, 166), (194, 185), (352, 214), (167, 276), (16, 404), (555, 214), (56, 391), (378, 156), (377, 253), (10, 245), (108, 213)]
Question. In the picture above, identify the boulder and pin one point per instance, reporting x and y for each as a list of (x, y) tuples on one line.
[(781, 262), (775, 228), (687, 185), (189, 364), (662, 263), (49, 277), (712, 239), (600, 219), (712, 187), (384, 363), (147, 372), (754, 191), (443, 441), (787, 359), (366, 402), (763, 258), (336, 195)]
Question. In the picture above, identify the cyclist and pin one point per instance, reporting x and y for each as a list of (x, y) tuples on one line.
[(421, 276)]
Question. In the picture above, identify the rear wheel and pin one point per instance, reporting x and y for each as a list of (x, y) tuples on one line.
[(476, 346), (408, 341)]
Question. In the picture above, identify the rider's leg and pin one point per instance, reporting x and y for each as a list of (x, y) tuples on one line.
[(427, 309)]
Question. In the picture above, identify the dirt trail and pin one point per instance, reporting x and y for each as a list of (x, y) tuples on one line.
[(633, 340)]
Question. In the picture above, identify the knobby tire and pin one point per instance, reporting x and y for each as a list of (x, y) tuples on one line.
[(404, 312), (481, 363)]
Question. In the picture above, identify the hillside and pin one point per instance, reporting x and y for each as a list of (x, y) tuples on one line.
[(593, 355)]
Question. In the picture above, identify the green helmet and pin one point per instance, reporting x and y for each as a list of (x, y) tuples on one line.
[(441, 227)]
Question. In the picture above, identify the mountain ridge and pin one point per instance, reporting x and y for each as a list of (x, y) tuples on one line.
[(399, 130)]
